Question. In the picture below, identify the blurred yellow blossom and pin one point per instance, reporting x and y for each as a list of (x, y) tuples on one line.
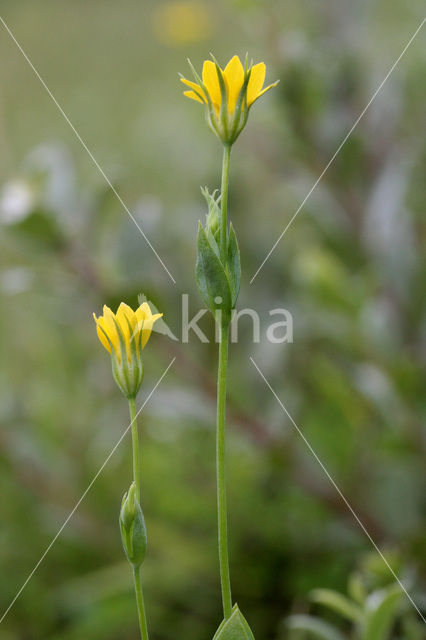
[(181, 23)]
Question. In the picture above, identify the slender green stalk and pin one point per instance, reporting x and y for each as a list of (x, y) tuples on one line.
[(135, 446), (221, 473), (140, 602), (137, 480), (224, 200), (222, 517)]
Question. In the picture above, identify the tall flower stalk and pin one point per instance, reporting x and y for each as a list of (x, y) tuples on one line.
[(227, 95), (222, 516), (124, 335), (140, 603)]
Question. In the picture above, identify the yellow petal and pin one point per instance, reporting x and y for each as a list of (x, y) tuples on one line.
[(193, 96), (107, 322), (191, 84), (196, 88), (274, 84), (143, 311), (146, 321), (255, 84), (234, 76), (124, 309), (146, 334), (107, 333), (125, 316), (147, 328), (101, 335), (211, 82)]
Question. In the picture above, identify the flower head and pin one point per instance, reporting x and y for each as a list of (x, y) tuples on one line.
[(228, 94), (124, 334)]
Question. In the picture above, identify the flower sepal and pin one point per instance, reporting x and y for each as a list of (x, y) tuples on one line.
[(128, 374), (132, 528)]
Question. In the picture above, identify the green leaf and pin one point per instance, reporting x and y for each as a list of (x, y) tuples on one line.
[(213, 241), (356, 588), (234, 265), (314, 627), (338, 603), (212, 281), (234, 628), (382, 608)]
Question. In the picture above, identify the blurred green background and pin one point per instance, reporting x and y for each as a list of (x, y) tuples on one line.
[(350, 270)]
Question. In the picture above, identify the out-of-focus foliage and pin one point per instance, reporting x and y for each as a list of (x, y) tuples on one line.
[(350, 269), (373, 608)]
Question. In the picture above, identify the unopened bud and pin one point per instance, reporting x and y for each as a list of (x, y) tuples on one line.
[(213, 216), (132, 527)]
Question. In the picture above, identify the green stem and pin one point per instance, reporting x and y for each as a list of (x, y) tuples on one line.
[(137, 480), (224, 200), (140, 603), (135, 446), (222, 518), (221, 473)]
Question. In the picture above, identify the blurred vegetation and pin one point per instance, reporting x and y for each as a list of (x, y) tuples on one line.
[(350, 269), (373, 608)]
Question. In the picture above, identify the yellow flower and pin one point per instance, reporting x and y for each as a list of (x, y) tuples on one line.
[(228, 94), (124, 334)]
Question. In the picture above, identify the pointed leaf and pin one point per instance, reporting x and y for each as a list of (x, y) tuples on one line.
[(234, 628), (213, 241), (338, 603), (212, 280), (234, 265), (382, 609), (356, 588)]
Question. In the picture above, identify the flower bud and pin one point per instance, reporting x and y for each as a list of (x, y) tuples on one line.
[(213, 215), (132, 527)]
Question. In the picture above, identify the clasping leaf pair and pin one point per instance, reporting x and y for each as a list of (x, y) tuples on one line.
[(217, 281)]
